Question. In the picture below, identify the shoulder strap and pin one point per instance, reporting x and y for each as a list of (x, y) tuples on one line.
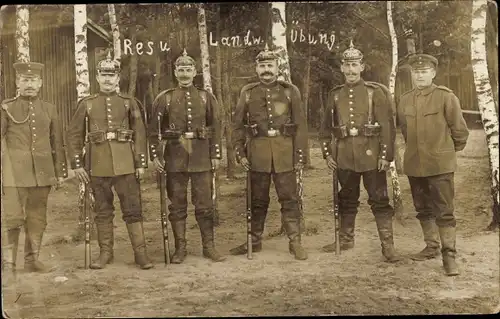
[(370, 104)]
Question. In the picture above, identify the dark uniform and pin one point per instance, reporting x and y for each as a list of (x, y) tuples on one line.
[(117, 147), (33, 159), (434, 130), (272, 117), (191, 130), (361, 138)]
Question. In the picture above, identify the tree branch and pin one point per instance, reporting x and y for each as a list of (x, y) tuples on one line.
[(372, 26)]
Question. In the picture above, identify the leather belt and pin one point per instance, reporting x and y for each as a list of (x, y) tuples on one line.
[(271, 133)]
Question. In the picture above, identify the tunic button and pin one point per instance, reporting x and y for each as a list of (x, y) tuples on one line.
[(31, 103), (33, 121), (189, 103), (270, 115), (351, 115), (109, 110), (189, 116), (189, 109), (352, 122), (189, 122), (33, 114), (351, 109), (350, 90), (109, 104), (107, 99), (350, 102), (187, 93), (270, 109), (350, 95), (109, 122), (268, 102)]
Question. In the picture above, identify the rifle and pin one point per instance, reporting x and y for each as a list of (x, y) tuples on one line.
[(249, 200), (336, 216), (86, 199), (163, 198)]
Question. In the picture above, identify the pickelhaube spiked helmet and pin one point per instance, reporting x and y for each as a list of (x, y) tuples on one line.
[(108, 66), (185, 60), (266, 55), (352, 54)]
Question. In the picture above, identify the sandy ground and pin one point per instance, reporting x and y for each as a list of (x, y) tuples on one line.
[(273, 283)]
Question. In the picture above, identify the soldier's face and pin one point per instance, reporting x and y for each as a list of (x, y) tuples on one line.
[(423, 77), (267, 70), (29, 85), (107, 82), (185, 75), (352, 70)]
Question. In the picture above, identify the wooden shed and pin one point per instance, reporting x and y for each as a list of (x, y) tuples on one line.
[(53, 45)]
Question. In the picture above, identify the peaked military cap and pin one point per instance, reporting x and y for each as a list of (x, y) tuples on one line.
[(28, 68), (266, 55), (422, 61), (352, 54), (108, 66), (185, 60)]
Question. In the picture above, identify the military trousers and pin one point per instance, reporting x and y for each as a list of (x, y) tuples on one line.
[(201, 194), (433, 198), (25, 206), (375, 184), (285, 184), (127, 188)]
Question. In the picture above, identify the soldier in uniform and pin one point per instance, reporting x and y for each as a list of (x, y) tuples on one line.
[(360, 116), (187, 118), (117, 148), (270, 113), (33, 160), (434, 130)]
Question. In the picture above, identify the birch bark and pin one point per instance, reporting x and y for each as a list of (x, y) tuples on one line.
[(117, 48), (486, 101), (396, 188)]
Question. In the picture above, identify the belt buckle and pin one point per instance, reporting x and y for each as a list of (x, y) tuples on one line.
[(110, 135), (189, 135), (272, 133), (353, 131)]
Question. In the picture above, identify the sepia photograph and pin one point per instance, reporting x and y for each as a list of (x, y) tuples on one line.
[(237, 159)]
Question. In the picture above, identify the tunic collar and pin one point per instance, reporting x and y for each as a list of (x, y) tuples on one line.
[(427, 90), (353, 85)]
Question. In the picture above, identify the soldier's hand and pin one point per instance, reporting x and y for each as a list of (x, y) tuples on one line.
[(299, 166), (245, 163), (60, 181), (383, 165), (82, 175), (330, 162), (139, 172), (159, 165), (215, 164)]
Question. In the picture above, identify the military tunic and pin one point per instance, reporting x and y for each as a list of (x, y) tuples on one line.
[(188, 111), (33, 150), (112, 162), (434, 130), (357, 155), (269, 107), (33, 158), (349, 105)]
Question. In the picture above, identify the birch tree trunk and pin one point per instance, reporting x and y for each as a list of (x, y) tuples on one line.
[(82, 87), (132, 83), (2, 17), (279, 39), (486, 103), (207, 82), (22, 33), (278, 18), (307, 79), (117, 48), (396, 189)]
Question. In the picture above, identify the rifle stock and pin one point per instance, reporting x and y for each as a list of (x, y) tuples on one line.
[(336, 216), (164, 220), (249, 209), (86, 199)]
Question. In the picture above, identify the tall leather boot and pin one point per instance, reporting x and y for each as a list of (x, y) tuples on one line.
[(448, 241), (9, 251), (136, 234), (32, 245), (179, 230), (292, 228), (385, 232), (9, 255), (105, 238), (206, 223), (431, 239), (257, 229), (346, 234)]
